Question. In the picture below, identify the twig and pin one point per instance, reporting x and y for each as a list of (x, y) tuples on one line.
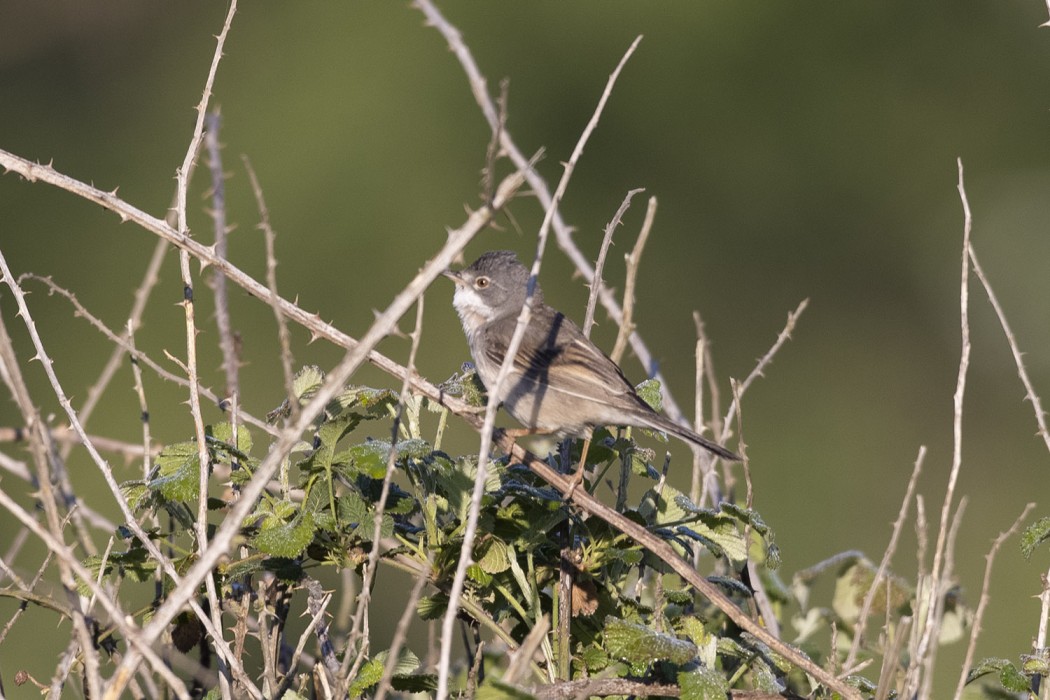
[(227, 340), (137, 356), (891, 548), (599, 265), (140, 391), (936, 604), (400, 633), (65, 436), (488, 173), (975, 627), (359, 630), (315, 621), (633, 260), (759, 593), (947, 580), (698, 423), (117, 616), (182, 182), (665, 551), (283, 336), (142, 294), (1033, 397), (709, 487), (465, 558), (782, 337), (45, 461)]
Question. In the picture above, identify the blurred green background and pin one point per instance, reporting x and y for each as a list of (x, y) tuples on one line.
[(797, 150)]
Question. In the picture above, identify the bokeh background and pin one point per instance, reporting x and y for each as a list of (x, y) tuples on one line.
[(798, 150)]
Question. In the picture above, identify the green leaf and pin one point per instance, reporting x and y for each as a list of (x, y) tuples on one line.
[(986, 666), (747, 516), (432, 607), (414, 682), (370, 674), (1013, 680), (306, 382), (639, 645), (649, 391), (1034, 535), (1036, 664), (495, 558), (478, 575), (370, 457), (285, 539), (594, 658), (222, 433), (178, 473), (703, 684)]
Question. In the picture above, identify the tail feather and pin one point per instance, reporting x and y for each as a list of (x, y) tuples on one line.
[(668, 426)]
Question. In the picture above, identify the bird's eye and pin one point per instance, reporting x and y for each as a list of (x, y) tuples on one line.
[(481, 282)]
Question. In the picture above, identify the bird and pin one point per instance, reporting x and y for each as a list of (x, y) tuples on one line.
[(560, 382)]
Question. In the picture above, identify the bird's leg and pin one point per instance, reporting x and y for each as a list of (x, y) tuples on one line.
[(515, 433), (577, 477)]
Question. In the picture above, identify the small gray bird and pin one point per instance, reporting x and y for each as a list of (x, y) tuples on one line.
[(560, 382)]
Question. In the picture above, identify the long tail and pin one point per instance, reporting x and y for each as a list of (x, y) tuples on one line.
[(668, 426)]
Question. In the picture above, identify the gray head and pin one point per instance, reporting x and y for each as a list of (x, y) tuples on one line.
[(492, 287)]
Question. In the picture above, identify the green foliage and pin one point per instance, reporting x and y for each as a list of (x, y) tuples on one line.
[(1034, 535), (631, 617)]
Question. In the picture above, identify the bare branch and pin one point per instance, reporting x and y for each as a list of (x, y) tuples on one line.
[(978, 616), (764, 362), (936, 606), (283, 336), (1037, 406), (599, 265), (633, 259)]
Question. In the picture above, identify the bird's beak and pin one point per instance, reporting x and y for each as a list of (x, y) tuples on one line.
[(454, 276)]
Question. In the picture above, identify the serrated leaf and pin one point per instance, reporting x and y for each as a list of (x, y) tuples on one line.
[(223, 433), (726, 535), (414, 682), (1013, 680), (748, 516), (594, 658), (649, 392), (773, 559), (638, 644), (478, 575), (371, 457), (1036, 664), (986, 666), (307, 381), (495, 557), (178, 473), (432, 607), (286, 539), (370, 674), (1034, 535), (703, 684)]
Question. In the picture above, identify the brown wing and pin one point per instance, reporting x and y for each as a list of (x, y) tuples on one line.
[(554, 342)]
